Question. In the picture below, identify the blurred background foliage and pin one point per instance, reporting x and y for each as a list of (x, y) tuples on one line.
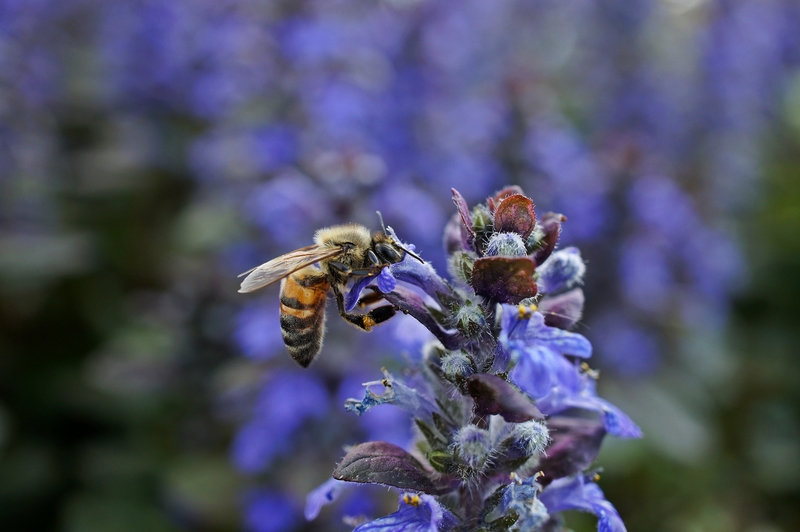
[(150, 151)]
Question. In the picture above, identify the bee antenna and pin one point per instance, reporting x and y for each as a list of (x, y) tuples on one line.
[(389, 231), (380, 217)]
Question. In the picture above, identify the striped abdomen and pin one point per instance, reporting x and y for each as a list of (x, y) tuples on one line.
[(303, 296)]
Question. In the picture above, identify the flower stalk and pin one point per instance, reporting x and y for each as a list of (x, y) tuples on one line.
[(505, 405)]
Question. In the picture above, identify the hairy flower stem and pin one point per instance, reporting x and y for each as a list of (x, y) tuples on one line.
[(470, 495)]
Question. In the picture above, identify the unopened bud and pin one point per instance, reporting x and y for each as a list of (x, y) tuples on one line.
[(472, 447), (531, 436), (457, 366), (459, 264), (561, 271), (469, 319), (506, 245)]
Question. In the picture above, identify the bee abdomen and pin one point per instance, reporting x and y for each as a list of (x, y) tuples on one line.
[(303, 313)]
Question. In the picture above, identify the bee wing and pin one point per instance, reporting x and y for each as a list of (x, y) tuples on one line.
[(280, 267)]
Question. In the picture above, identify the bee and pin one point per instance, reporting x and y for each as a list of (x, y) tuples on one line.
[(342, 252)]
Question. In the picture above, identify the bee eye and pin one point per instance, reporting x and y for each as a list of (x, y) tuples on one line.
[(387, 253)]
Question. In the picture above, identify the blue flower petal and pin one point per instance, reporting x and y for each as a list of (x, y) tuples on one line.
[(578, 494), (354, 294), (416, 513), (396, 393), (577, 390), (539, 349), (520, 497), (617, 422), (564, 342), (538, 370), (324, 494), (421, 275), (386, 281)]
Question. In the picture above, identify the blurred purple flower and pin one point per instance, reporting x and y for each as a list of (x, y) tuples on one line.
[(254, 335), (286, 402), (645, 275), (324, 494), (289, 208), (268, 511)]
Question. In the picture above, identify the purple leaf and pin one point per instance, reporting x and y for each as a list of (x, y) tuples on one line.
[(551, 224), (515, 215), (502, 194), (564, 310), (463, 211), (575, 444), (504, 279), (493, 395), (455, 237), (379, 462)]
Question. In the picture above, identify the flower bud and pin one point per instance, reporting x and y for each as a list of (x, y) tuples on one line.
[(469, 319), (535, 240), (457, 366), (472, 446), (561, 271), (531, 436), (459, 264), (506, 245), (482, 219)]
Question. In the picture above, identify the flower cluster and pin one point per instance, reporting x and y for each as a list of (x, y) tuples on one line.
[(505, 406)]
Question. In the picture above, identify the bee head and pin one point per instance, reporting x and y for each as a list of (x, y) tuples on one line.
[(388, 253), (388, 247)]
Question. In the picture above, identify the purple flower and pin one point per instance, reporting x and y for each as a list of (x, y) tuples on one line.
[(577, 389), (288, 207), (521, 498), (577, 494), (416, 513), (386, 282), (396, 393), (630, 348), (324, 494), (392, 425), (288, 400), (470, 392), (267, 511), (538, 350), (254, 335)]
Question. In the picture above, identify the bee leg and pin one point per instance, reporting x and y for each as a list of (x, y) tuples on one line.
[(363, 321), (346, 270), (342, 268), (369, 299)]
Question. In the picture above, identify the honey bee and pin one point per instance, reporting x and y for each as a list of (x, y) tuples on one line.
[(342, 252)]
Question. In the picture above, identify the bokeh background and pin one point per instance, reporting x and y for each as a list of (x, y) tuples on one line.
[(150, 151)]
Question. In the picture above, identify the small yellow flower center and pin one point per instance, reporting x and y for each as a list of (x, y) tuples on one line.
[(592, 373), (412, 500), (526, 311)]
